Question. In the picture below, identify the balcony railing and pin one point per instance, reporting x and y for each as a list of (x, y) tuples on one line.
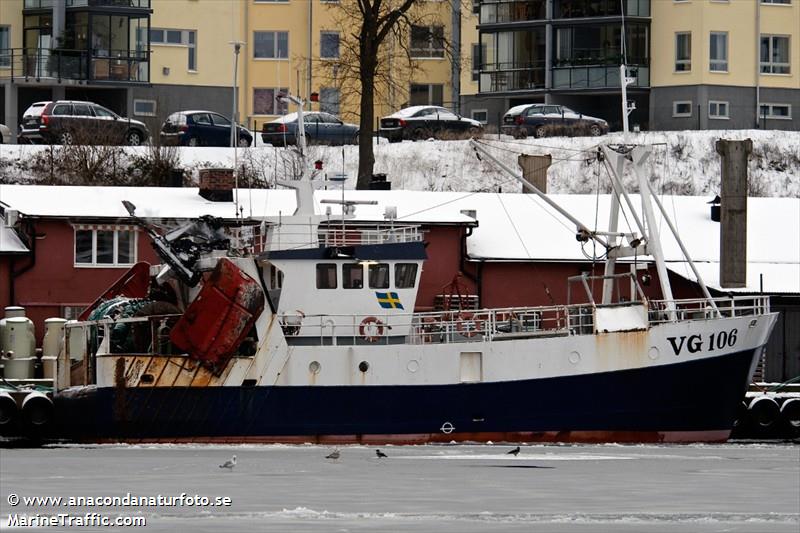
[(500, 77), (38, 63), (600, 8), (109, 3), (596, 77), (493, 12)]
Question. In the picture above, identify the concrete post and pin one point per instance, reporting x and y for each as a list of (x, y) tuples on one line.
[(548, 51), (534, 170), (59, 21), (10, 105), (733, 231)]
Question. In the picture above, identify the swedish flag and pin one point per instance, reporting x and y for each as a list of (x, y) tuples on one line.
[(389, 300)]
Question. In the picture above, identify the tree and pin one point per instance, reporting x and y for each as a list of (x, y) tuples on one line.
[(374, 61)]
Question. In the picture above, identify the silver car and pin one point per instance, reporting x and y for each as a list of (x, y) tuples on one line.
[(5, 134)]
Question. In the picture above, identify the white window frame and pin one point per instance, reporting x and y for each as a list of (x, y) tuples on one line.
[(724, 62), (769, 64), (717, 103), (94, 228), (687, 62), (472, 115), (5, 60), (183, 44), (777, 2), (146, 114), (770, 116), (675, 112), (338, 44), (275, 45), (429, 52)]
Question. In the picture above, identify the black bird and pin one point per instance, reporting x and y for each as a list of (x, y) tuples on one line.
[(380, 454), (513, 452)]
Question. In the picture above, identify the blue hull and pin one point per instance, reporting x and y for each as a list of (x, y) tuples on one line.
[(695, 400)]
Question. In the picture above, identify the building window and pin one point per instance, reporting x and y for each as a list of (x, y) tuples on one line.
[(326, 276), (775, 54), (718, 52), (271, 1), (5, 45), (265, 101), (478, 59), (379, 276), (104, 246), (405, 275), (683, 52), (271, 44), (481, 115), (352, 276), (329, 44), (427, 41), (781, 2), (775, 111), (329, 100), (682, 109), (169, 37), (146, 108), (432, 94), (717, 109)]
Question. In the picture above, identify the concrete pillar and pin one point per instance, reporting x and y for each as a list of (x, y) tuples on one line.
[(455, 63), (10, 106), (549, 44), (59, 21), (534, 170), (733, 231)]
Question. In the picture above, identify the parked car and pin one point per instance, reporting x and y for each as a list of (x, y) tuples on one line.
[(71, 121), (540, 120), (321, 128), (422, 122), (5, 134), (201, 128)]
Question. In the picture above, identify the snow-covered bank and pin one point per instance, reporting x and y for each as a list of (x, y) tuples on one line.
[(683, 162)]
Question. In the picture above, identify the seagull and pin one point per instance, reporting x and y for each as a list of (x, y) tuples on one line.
[(229, 464), (334, 454), (513, 452), (380, 454)]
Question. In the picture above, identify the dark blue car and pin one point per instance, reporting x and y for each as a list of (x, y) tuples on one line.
[(201, 128), (321, 128)]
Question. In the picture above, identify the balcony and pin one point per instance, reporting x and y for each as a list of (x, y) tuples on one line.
[(494, 12), (599, 8), (503, 77), (109, 3), (79, 65), (596, 77)]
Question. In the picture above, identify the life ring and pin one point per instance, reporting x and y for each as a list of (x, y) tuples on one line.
[(469, 324), (371, 329)]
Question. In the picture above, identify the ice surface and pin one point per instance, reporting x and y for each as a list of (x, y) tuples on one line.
[(739, 488)]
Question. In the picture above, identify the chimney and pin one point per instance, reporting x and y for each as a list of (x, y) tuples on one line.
[(534, 170), (216, 184), (733, 230)]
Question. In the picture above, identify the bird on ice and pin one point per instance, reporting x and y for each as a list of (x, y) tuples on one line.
[(380, 454), (333, 455), (229, 464), (513, 452)]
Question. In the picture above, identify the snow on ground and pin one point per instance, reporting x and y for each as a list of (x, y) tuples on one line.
[(682, 162)]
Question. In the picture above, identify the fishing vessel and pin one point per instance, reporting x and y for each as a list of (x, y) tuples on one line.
[(302, 328)]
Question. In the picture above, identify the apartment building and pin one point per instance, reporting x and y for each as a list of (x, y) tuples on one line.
[(563, 52), (725, 64)]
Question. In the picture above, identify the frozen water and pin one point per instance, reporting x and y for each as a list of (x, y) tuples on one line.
[(738, 488)]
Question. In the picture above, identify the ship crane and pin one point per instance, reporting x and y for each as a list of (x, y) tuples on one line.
[(614, 158)]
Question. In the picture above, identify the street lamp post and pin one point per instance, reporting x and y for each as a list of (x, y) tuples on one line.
[(237, 47)]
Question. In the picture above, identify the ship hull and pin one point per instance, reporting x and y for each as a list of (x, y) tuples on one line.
[(688, 401)]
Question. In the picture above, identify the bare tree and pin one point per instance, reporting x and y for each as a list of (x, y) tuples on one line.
[(374, 62)]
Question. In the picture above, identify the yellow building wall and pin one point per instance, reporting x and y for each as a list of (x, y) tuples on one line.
[(11, 15), (469, 36), (217, 23), (738, 18)]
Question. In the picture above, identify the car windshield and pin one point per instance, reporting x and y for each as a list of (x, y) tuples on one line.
[(35, 109), (219, 120)]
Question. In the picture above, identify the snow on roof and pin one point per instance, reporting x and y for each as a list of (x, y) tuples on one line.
[(519, 227), (761, 277), (10, 243), (409, 111)]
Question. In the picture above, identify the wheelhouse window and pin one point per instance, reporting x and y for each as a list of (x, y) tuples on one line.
[(104, 246), (326, 276), (405, 275), (379, 276), (352, 276)]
